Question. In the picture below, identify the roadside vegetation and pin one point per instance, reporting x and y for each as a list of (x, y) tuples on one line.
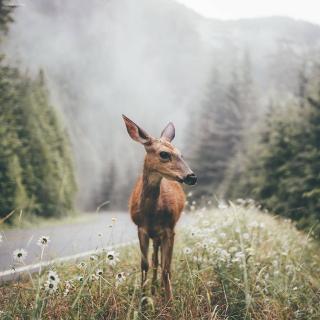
[(235, 262)]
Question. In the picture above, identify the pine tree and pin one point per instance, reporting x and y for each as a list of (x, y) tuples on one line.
[(224, 117)]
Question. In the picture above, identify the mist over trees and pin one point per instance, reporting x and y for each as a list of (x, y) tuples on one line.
[(151, 61), (271, 156), (36, 166), (225, 85)]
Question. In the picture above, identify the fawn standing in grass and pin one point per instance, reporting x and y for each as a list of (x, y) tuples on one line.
[(158, 199)]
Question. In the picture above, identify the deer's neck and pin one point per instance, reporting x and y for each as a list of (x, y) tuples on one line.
[(150, 190)]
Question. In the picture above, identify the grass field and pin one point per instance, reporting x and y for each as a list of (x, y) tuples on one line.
[(233, 263)]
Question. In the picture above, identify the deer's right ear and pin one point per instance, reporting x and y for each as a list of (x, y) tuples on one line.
[(135, 132)]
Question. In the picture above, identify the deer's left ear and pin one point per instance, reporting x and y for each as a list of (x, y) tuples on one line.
[(168, 132)]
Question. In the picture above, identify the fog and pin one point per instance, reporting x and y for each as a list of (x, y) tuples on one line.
[(150, 60), (105, 58)]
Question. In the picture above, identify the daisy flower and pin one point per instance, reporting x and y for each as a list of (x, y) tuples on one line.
[(53, 277), (19, 255), (120, 277), (112, 258), (80, 278), (50, 287), (187, 250), (43, 241), (99, 272)]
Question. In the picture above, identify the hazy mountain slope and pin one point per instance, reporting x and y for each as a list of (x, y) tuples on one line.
[(148, 59)]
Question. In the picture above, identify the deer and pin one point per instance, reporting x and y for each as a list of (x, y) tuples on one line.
[(157, 200)]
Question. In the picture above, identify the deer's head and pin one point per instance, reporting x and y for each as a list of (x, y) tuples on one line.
[(162, 157)]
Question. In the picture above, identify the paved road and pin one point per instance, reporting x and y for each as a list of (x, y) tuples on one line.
[(70, 239)]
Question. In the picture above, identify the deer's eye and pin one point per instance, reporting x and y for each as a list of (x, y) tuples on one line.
[(165, 155)]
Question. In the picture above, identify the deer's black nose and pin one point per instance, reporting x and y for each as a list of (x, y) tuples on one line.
[(190, 179)]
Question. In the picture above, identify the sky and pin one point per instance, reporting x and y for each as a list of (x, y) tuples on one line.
[(308, 10)]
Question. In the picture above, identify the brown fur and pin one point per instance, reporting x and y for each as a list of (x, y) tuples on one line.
[(166, 201), (157, 200)]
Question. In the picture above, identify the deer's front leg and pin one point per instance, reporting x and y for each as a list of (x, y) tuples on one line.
[(167, 241), (144, 246), (155, 263)]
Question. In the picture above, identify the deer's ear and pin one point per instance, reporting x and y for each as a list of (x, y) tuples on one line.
[(168, 132), (135, 132)]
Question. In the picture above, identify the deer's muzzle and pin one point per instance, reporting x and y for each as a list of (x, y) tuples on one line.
[(190, 179)]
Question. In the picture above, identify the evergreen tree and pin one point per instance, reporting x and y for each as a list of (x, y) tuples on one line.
[(282, 170), (226, 113)]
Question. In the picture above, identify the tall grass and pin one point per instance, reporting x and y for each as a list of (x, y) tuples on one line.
[(231, 263)]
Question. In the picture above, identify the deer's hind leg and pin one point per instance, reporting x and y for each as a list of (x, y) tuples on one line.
[(155, 263), (144, 246)]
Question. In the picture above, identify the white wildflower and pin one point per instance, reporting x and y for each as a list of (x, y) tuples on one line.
[(204, 245), (187, 250), (93, 258), (112, 258), (19, 255), (50, 287), (53, 277), (99, 272), (222, 235), (120, 277), (212, 241), (43, 241), (223, 255), (238, 257), (100, 234), (246, 236), (193, 233)]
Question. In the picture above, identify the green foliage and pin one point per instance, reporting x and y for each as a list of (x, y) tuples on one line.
[(282, 171), (36, 170), (5, 16)]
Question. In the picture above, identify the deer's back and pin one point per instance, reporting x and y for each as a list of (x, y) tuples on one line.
[(168, 207)]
